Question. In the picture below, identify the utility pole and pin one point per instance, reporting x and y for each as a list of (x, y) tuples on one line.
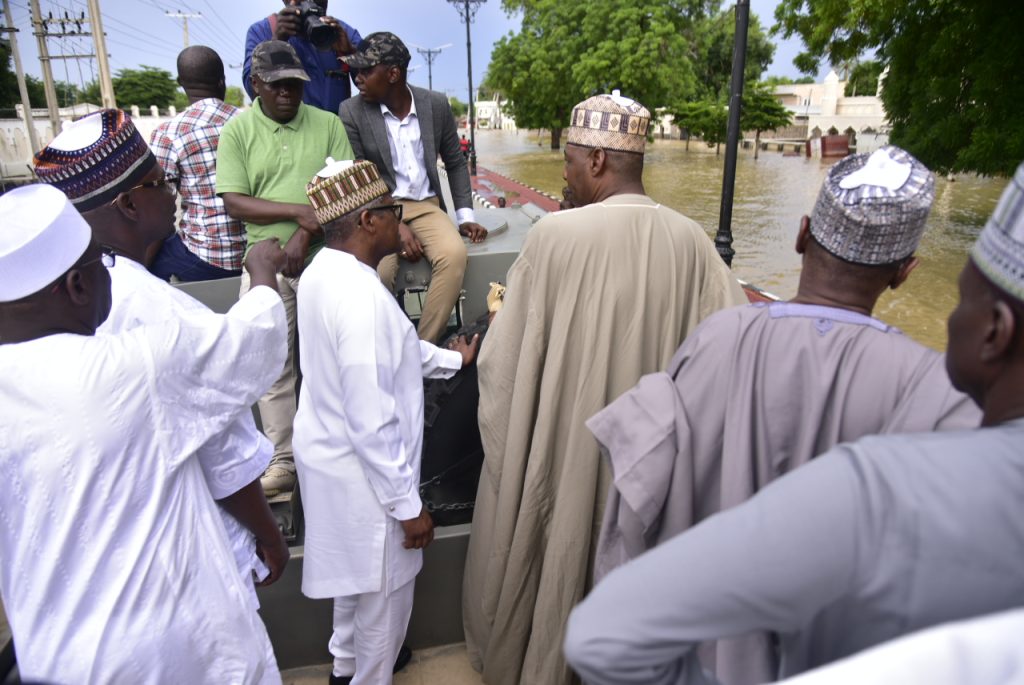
[(430, 54), (100, 43), (184, 16), (467, 9), (44, 60), (26, 105)]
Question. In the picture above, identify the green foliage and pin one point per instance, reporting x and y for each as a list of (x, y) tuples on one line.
[(761, 111), (863, 79), (773, 81), (235, 96), (9, 95), (567, 51), (952, 94), (705, 118), (712, 39), (67, 93), (180, 100), (144, 87), (459, 108), (92, 94)]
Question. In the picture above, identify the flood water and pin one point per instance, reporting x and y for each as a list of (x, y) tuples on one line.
[(772, 194)]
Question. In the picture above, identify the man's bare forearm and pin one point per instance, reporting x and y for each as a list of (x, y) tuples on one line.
[(249, 506), (259, 211)]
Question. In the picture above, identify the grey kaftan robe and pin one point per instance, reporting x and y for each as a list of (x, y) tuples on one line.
[(754, 392), (599, 296), (871, 541)]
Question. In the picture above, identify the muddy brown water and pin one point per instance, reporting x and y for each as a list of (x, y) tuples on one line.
[(772, 193)]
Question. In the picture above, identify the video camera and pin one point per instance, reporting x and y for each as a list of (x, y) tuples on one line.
[(318, 33)]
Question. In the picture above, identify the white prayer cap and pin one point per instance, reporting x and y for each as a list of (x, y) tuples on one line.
[(42, 235), (999, 252)]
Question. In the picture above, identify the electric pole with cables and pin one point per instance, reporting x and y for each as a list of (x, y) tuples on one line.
[(184, 16), (430, 54)]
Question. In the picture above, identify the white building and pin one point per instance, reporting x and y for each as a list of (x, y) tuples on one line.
[(824, 106)]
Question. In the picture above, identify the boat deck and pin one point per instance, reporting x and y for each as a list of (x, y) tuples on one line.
[(446, 664)]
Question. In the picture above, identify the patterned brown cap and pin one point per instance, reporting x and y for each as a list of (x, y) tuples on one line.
[(611, 122), (872, 208), (343, 187)]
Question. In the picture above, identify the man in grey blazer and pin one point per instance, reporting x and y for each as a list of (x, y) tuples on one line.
[(402, 129)]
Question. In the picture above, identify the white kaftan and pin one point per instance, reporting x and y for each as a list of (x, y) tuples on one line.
[(359, 428), (115, 567), (230, 460)]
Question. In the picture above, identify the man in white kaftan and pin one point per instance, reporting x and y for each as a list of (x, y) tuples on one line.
[(75, 162), (759, 390), (359, 428), (870, 541), (115, 566)]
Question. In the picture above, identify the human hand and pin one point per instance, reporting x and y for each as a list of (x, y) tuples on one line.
[(287, 23), (295, 251), (275, 555), (467, 348), (418, 531), (342, 44), (474, 231), (305, 217), (412, 248), (264, 260)]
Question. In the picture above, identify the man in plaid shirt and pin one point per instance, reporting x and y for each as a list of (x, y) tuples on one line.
[(209, 244)]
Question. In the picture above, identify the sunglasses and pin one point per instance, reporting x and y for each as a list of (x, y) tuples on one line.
[(171, 182), (394, 209), (107, 258)]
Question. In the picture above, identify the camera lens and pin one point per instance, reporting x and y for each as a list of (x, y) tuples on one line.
[(319, 34)]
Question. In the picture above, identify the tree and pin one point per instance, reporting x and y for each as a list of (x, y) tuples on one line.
[(951, 94), (773, 81), (863, 79), (713, 39), (706, 118), (566, 51), (459, 108), (762, 112), (235, 96), (144, 87)]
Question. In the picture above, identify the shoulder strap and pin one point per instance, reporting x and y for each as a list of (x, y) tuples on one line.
[(273, 25)]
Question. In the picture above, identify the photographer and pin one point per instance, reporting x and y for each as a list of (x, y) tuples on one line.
[(319, 41)]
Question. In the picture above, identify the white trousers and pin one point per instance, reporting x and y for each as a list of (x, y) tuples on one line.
[(368, 632)]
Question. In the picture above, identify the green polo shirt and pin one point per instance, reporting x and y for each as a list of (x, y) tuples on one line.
[(261, 158)]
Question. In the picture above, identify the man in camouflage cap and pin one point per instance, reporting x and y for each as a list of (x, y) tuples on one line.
[(598, 296), (402, 130), (265, 157)]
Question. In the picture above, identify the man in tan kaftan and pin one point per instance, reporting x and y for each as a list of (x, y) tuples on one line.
[(599, 296), (757, 391)]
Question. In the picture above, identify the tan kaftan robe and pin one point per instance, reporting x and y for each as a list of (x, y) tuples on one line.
[(752, 394), (599, 296)]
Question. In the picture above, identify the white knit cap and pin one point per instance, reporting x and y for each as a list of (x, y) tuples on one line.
[(42, 235)]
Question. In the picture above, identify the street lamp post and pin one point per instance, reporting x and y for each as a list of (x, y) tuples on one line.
[(723, 239), (467, 9)]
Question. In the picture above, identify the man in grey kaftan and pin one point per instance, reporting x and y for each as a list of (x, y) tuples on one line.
[(759, 390), (870, 541)]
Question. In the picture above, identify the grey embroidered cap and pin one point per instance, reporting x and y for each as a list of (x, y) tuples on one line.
[(872, 208), (999, 251)]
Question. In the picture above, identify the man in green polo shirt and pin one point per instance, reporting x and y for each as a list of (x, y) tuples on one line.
[(266, 157)]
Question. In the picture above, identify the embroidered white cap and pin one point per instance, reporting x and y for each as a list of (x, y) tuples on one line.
[(42, 235)]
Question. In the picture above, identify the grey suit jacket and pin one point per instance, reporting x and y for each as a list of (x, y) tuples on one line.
[(368, 134)]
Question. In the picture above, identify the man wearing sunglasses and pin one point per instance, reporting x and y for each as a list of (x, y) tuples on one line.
[(359, 427), (109, 174), (265, 158), (403, 130)]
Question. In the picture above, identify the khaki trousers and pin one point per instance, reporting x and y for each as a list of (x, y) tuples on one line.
[(446, 253), (278, 405)]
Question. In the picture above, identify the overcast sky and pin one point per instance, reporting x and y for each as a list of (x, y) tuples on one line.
[(140, 32)]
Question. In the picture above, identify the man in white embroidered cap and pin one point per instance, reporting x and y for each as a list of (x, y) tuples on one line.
[(872, 540), (115, 566), (359, 427), (759, 390), (598, 296)]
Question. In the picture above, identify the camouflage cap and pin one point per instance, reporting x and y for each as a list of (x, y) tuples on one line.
[(379, 48), (276, 60)]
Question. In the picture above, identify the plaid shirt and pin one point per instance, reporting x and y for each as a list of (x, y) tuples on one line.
[(186, 147)]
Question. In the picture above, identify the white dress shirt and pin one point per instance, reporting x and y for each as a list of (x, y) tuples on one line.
[(406, 145), (359, 428), (115, 566)]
